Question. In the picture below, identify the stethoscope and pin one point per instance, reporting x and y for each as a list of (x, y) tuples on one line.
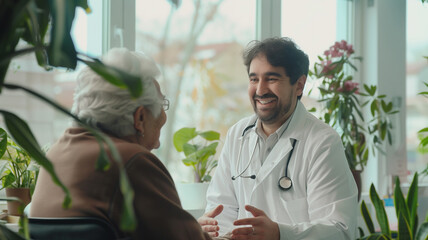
[(284, 183)]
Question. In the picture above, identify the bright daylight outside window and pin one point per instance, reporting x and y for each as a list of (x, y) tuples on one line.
[(416, 76), (314, 32), (198, 47)]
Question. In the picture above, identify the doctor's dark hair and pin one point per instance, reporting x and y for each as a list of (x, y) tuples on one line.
[(280, 52)]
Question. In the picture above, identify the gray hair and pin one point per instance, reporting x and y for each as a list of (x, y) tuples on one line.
[(103, 105)]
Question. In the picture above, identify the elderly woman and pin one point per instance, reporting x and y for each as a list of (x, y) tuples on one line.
[(134, 127)]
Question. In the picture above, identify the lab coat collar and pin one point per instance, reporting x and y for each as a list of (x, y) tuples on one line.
[(284, 144)]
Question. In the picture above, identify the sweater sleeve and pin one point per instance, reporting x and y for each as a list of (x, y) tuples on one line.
[(157, 205)]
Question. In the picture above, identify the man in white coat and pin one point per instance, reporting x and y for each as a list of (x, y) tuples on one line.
[(282, 173)]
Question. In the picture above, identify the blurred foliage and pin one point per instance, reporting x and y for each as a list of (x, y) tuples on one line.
[(344, 103), (199, 155)]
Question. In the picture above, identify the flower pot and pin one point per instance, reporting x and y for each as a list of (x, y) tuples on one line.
[(16, 208), (192, 195), (357, 178)]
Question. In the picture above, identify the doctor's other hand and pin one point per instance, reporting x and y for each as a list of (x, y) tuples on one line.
[(208, 223), (262, 227)]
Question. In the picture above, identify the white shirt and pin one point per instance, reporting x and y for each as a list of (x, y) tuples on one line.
[(265, 143)]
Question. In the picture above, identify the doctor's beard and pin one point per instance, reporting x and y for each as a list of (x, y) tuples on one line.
[(275, 114)]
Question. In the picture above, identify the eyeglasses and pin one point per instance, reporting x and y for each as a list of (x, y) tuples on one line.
[(165, 104)]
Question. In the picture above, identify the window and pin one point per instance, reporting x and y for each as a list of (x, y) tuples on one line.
[(198, 47), (313, 30), (416, 75)]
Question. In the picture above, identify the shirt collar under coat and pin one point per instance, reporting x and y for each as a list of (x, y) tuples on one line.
[(282, 147), (294, 126)]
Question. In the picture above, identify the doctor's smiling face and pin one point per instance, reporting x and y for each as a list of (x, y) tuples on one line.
[(271, 93)]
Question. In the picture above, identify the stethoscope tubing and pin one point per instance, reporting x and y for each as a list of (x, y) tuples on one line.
[(284, 182)]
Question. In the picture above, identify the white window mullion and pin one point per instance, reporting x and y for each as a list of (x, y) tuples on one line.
[(268, 19), (119, 24)]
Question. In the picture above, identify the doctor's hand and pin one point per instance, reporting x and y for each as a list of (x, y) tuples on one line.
[(208, 223), (262, 227)]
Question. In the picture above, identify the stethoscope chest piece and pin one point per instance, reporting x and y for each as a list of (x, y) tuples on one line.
[(285, 183)]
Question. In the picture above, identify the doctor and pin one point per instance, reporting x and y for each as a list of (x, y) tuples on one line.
[(282, 173)]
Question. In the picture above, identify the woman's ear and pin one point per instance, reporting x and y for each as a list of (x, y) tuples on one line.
[(139, 119)]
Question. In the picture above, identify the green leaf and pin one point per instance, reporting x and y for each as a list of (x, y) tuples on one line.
[(373, 108), (117, 77), (206, 178), (33, 35), (189, 149), (368, 90), (3, 142), (422, 233), (367, 218), (84, 5), (210, 135), (312, 110), (424, 141), (386, 107), (103, 162), (383, 129), (25, 138), (190, 161), (423, 130), (399, 202), (128, 220), (361, 232), (182, 136), (412, 201), (8, 179), (404, 230), (61, 50), (381, 216)]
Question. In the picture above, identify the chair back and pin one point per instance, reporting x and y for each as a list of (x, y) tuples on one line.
[(71, 228)]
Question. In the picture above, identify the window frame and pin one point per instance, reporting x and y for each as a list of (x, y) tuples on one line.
[(365, 23)]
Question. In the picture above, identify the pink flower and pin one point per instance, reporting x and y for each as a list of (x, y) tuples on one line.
[(336, 45), (349, 50), (327, 66), (326, 53), (336, 53), (343, 45), (350, 86)]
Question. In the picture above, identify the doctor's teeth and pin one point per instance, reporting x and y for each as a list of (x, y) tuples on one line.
[(265, 102)]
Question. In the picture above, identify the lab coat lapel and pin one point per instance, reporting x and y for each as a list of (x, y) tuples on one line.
[(283, 146), (277, 156), (253, 154)]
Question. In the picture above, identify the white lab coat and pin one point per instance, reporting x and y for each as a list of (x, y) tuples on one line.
[(322, 203)]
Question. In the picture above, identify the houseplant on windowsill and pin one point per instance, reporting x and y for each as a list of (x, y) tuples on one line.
[(345, 102), (405, 210), (199, 148), (18, 173), (423, 135)]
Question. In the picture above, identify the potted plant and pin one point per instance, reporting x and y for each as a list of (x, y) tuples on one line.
[(405, 209), (344, 103), (18, 173), (199, 148), (423, 135)]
